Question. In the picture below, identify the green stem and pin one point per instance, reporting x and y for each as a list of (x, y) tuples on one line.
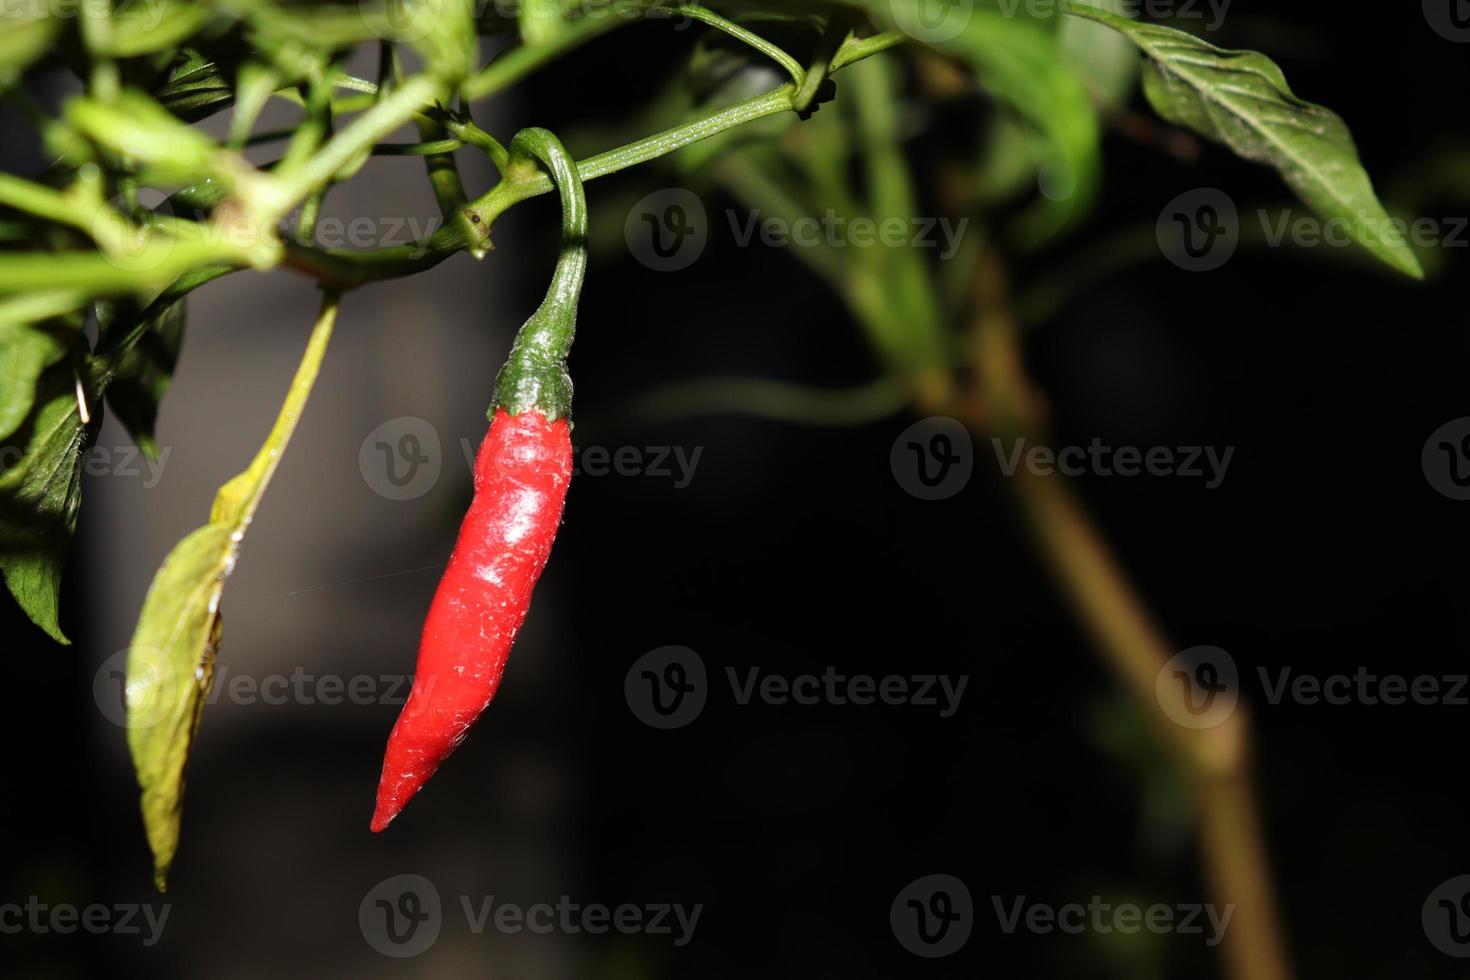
[(855, 49), (461, 129), (809, 87), (311, 131), (535, 376), (36, 199), (346, 269), (97, 36), (706, 16), (519, 62), (161, 259), (442, 170), (508, 193), (429, 148), (910, 336), (272, 200), (778, 401)]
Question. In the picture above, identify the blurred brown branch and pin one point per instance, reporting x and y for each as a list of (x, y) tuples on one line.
[(1003, 402)]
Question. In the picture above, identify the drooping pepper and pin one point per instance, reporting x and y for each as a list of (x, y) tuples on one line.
[(521, 476)]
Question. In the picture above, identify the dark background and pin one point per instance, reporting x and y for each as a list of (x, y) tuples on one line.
[(793, 549)]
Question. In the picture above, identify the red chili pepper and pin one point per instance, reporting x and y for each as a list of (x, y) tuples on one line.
[(521, 477)]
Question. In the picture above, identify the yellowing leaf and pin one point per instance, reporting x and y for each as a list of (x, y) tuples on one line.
[(171, 659)]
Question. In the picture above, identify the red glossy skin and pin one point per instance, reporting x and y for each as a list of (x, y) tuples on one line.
[(521, 477)]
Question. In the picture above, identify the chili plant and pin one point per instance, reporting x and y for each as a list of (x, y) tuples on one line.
[(792, 106)]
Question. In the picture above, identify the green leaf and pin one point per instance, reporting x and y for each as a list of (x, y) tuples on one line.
[(24, 38), (171, 659), (159, 25), (136, 126), (196, 88), (1107, 62), (27, 348), (540, 21), (1017, 59), (1241, 99), (451, 46), (144, 373), (40, 494)]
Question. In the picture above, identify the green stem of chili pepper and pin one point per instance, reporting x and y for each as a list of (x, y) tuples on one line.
[(536, 376)]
